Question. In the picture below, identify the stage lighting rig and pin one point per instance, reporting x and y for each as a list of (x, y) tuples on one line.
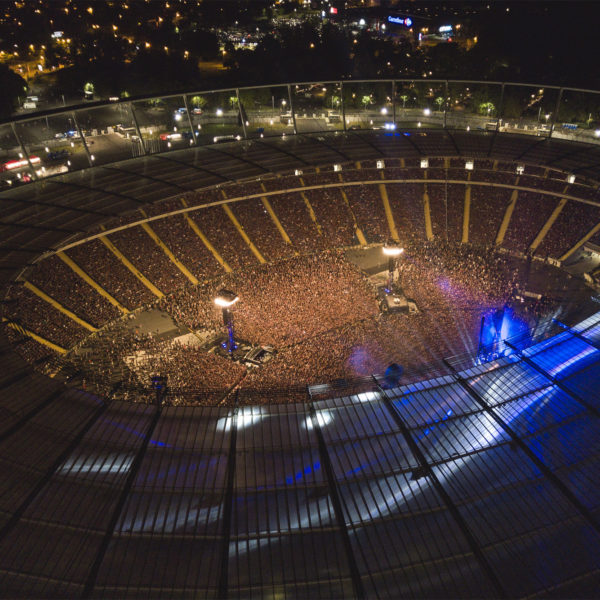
[(225, 299), (392, 250)]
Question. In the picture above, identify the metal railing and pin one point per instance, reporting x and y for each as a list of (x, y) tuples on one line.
[(39, 145)]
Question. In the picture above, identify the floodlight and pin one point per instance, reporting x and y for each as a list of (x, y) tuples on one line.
[(469, 165), (424, 163), (571, 178), (226, 298), (392, 249)]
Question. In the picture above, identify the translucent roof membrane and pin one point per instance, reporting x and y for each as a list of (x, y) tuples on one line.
[(479, 483)]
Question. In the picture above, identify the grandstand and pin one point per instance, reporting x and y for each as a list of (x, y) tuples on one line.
[(463, 479)]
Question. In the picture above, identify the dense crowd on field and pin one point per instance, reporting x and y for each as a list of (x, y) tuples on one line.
[(321, 316), (315, 308)]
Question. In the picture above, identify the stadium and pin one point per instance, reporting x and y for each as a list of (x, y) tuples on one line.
[(330, 339)]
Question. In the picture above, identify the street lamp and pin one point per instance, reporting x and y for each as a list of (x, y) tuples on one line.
[(392, 250), (225, 299)]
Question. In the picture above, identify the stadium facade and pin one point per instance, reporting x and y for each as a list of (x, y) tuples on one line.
[(475, 480)]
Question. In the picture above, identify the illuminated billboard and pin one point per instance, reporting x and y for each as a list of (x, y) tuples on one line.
[(406, 21)]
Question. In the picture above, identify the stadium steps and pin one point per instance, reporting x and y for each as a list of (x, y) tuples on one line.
[(466, 214), (388, 211), (242, 232), (130, 266), (276, 221), (79, 271), (194, 227), (427, 212), (58, 306), (590, 234), (362, 240), (156, 239), (311, 210), (539, 238), (34, 336), (507, 215)]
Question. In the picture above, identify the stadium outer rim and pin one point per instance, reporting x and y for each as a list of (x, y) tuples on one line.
[(74, 110)]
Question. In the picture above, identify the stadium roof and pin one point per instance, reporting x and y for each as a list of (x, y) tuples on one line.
[(482, 483)]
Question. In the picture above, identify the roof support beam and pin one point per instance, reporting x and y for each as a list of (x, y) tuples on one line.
[(546, 472), (223, 582), (578, 335), (114, 519), (359, 591), (425, 470), (554, 380), (43, 481)]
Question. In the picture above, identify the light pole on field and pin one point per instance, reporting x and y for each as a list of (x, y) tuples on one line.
[(225, 299), (392, 250)]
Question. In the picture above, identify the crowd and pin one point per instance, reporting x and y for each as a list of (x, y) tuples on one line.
[(314, 220), (109, 272), (551, 185), (59, 281), (531, 212), (23, 307), (223, 236), (334, 216), (122, 354), (414, 172), (294, 214), (186, 246), (574, 221), (254, 218), (285, 182), (365, 202), (488, 205), (282, 303), (139, 248), (239, 190), (452, 285), (502, 177), (446, 206), (585, 192), (323, 177), (367, 172), (320, 314), (406, 203), (27, 347)]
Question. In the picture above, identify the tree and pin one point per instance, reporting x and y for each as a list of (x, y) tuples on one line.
[(199, 101), (486, 108)]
